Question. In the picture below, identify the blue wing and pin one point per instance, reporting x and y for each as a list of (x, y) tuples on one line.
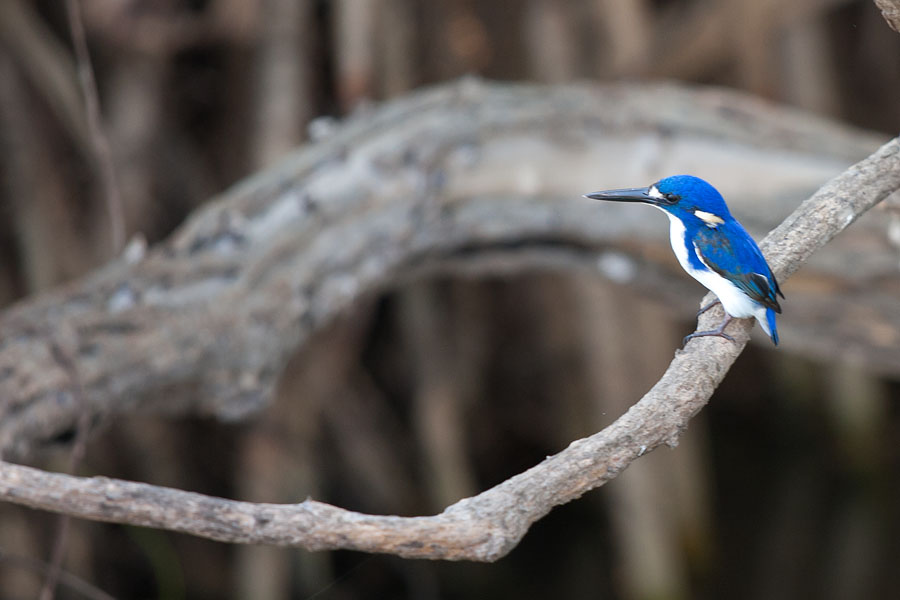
[(730, 251)]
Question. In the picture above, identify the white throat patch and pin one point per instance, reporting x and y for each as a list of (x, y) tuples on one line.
[(710, 219)]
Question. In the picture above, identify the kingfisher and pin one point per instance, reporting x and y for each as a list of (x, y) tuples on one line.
[(713, 248)]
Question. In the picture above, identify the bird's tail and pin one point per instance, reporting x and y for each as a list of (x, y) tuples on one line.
[(772, 329)]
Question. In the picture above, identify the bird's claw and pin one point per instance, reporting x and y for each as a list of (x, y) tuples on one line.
[(711, 333), (718, 332), (707, 307)]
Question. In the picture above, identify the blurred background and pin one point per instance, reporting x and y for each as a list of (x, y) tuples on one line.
[(786, 486)]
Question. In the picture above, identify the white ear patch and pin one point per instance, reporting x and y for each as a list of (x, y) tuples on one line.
[(709, 218), (654, 193)]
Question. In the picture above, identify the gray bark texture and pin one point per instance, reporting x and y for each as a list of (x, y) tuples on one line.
[(470, 177), (890, 10)]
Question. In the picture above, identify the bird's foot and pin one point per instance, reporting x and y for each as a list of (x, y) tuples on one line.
[(718, 332), (710, 333), (708, 306)]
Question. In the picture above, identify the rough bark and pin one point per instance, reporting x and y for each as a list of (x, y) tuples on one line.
[(890, 10)]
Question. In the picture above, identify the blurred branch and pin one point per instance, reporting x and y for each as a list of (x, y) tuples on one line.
[(395, 58), (283, 89), (486, 526), (626, 27), (67, 579), (99, 141), (343, 264), (40, 210), (697, 45), (47, 64), (63, 357), (160, 30), (440, 391), (354, 45), (890, 10), (116, 215), (464, 175), (552, 49)]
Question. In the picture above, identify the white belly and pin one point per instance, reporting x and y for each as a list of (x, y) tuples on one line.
[(735, 302)]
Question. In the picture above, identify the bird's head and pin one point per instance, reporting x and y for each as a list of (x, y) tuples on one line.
[(684, 196)]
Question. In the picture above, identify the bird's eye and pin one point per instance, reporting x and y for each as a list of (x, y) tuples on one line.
[(672, 198)]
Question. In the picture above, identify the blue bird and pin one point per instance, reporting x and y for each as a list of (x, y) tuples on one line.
[(713, 248)]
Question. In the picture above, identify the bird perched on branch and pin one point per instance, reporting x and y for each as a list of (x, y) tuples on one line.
[(713, 248)]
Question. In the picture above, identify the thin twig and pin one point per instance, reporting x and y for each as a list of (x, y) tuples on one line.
[(48, 65), (100, 142), (115, 211), (79, 447)]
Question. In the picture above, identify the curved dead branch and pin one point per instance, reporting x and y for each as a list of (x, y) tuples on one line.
[(484, 527), (890, 10), (461, 174)]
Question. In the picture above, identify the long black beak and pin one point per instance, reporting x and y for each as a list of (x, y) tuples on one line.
[(625, 195)]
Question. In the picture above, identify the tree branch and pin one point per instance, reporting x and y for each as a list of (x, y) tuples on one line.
[(484, 527), (890, 10), (99, 141), (460, 174)]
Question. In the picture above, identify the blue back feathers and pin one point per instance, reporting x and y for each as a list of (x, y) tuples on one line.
[(725, 248), (731, 252)]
